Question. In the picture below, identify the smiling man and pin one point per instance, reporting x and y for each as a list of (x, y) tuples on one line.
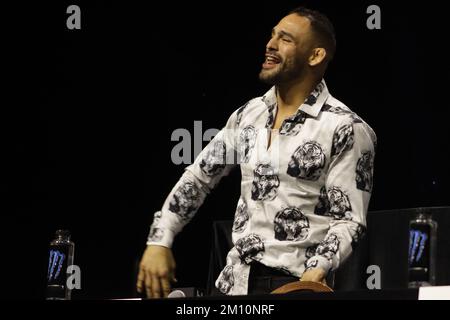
[(307, 166)]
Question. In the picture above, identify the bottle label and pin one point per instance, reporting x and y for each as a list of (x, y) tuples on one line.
[(419, 252), (57, 265)]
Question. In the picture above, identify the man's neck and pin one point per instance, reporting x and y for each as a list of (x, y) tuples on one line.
[(291, 95)]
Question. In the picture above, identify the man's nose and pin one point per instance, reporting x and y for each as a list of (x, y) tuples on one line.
[(272, 45)]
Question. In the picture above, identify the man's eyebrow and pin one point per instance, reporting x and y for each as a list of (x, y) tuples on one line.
[(283, 33)]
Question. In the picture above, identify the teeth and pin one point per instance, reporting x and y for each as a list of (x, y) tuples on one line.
[(271, 59)]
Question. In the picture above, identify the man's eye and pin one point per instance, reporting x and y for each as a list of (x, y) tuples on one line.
[(287, 40)]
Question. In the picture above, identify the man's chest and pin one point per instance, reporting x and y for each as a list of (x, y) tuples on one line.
[(299, 150)]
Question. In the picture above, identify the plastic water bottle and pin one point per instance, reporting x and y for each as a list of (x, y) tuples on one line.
[(422, 251), (60, 257)]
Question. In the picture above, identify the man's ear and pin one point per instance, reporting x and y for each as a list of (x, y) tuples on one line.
[(318, 55)]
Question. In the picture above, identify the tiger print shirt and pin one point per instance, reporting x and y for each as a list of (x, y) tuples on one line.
[(304, 197)]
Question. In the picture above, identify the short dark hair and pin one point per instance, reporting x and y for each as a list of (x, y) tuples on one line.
[(321, 26)]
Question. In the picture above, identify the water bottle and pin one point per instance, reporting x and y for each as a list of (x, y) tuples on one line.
[(422, 251), (60, 257)]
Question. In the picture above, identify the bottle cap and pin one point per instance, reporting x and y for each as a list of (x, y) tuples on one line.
[(63, 233)]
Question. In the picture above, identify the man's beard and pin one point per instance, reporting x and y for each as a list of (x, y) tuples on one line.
[(282, 73)]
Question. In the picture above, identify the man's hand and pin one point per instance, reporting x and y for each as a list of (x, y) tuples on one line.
[(156, 272), (315, 275)]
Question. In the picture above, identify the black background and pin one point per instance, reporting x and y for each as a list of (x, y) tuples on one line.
[(87, 117)]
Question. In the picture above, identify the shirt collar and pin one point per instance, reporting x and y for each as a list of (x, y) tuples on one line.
[(312, 105)]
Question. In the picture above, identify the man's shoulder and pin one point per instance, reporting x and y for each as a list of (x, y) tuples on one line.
[(253, 107), (337, 109), (341, 112), (253, 103), (345, 116)]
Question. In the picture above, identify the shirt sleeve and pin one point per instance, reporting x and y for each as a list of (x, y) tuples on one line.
[(215, 161), (346, 193)]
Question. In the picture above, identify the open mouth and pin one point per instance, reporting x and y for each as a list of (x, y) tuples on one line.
[(271, 61)]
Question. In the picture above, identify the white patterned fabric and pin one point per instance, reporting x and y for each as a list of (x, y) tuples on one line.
[(304, 198)]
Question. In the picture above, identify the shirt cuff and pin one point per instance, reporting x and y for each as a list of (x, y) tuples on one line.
[(318, 262), (161, 237)]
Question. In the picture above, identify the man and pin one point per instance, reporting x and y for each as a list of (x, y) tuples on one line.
[(307, 168)]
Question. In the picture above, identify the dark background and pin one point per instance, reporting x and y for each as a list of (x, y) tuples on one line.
[(87, 117)]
